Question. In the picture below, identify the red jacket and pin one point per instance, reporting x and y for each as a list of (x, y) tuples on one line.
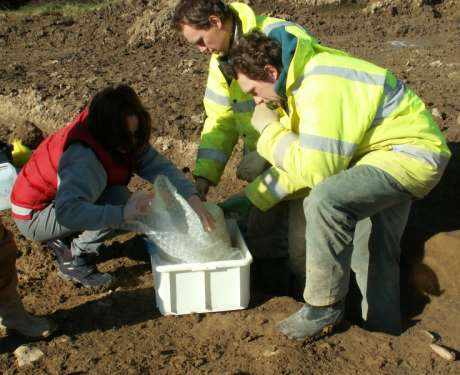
[(36, 185)]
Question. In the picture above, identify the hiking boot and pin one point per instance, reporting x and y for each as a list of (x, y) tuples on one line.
[(78, 269), (312, 321)]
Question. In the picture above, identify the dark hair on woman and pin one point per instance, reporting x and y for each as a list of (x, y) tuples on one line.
[(107, 121), (250, 55), (196, 13)]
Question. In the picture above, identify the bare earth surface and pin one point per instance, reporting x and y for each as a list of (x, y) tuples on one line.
[(50, 65)]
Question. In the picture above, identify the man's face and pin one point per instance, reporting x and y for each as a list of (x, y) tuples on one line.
[(262, 91), (215, 39)]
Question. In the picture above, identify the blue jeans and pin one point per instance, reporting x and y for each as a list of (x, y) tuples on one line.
[(44, 227), (355, 220)]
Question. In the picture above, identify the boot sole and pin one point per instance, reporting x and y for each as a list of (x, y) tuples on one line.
[(77, 282), (326, 331), (16, 332)]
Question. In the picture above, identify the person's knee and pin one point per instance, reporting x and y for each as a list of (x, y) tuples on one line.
[(31, 233), (319, 202), (24, 228)]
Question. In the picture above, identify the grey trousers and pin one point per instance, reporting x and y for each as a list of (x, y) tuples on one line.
[(355, 220), (44, 227)]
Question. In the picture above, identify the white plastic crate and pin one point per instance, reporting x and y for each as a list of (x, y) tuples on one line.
[(186, 288)]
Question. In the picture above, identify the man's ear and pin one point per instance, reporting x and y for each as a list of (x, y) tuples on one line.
[(215, 21), (272, 72)]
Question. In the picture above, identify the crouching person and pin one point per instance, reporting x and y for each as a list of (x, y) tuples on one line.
[(76, 182), (366, 146)]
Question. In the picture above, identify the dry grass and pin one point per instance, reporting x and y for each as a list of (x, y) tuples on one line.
[(65, 8)]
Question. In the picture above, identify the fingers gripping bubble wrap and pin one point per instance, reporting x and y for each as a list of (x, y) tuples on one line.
[(177, 231)]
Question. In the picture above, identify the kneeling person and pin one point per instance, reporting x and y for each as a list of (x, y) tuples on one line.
[(366, 146)]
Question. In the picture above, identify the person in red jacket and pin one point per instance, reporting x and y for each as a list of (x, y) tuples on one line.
[(75, 183)]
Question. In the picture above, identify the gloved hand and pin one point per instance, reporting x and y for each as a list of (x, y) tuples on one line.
[(137, 206), (202, 186), (251, 166), (263, 116), (209, 224)]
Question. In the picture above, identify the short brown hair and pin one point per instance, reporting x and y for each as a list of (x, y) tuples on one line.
[(108, 113), (250, 55), (196, 13)]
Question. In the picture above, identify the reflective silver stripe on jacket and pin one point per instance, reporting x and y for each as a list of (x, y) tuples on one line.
[(216, 98), (22, 211), (273, 185), (347, 73), (437, 161), (393, 98), (269, 28), (326, 144), (211, 154), (281, 148), (246, 106)]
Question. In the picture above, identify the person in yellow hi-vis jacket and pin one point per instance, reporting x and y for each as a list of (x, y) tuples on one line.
[(214, 27), (366, 146)]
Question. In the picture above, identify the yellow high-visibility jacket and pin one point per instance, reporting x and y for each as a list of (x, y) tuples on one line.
[(343, 111), (228, 109)]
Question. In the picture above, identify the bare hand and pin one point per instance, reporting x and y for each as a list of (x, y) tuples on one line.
[(138, 205), (209, 224), (263, 116)]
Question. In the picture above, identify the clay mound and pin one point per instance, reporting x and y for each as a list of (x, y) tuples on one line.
[(28, 133), (152, 25)]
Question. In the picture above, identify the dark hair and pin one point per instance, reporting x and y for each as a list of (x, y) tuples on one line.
[(107, 121), (250, 55), (196, 13)]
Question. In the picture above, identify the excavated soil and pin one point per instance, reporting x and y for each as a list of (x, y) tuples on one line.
[(50, 65)]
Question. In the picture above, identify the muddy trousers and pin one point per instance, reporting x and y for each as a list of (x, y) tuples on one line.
[(44, 227), (355, 220)]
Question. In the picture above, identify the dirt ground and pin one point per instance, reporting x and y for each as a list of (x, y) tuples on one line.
[(50, 65)]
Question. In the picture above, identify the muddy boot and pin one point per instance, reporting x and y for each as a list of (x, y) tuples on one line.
[(312, 321), (14, 317), (79, 269)]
